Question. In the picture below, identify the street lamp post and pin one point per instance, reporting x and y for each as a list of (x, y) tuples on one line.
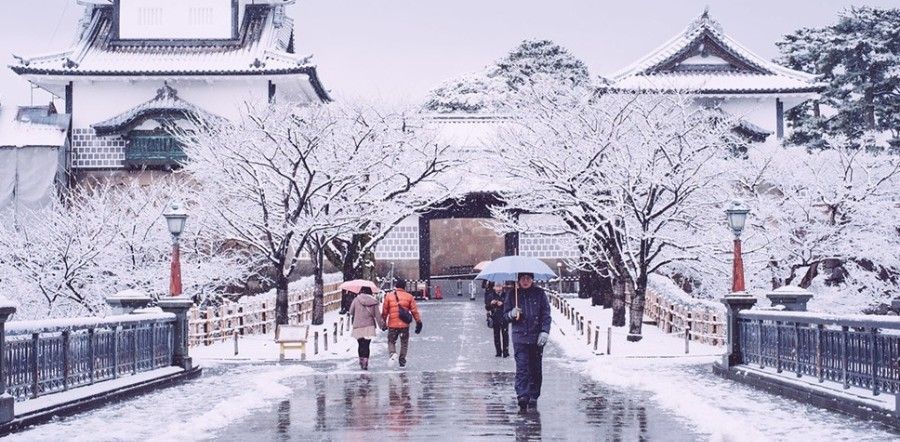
[(559, 274), (737, 217), (176, 217)]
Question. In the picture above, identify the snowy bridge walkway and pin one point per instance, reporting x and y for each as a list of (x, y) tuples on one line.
[(454, 388)]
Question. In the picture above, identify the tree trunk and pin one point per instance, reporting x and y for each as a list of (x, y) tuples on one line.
[(318, 313), (587, 284), (606, 291), (618, 301), (637, 308), (810, 274), (281, 298), (870, 108)]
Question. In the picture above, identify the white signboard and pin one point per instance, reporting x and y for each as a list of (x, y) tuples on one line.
[(175, 19)]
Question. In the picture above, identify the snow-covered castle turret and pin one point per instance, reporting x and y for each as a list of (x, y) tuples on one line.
[(137, 63), (704, 61)]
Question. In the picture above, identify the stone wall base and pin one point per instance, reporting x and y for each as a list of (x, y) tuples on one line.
[(814, 396)]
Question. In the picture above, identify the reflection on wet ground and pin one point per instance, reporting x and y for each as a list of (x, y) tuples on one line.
[(455, 389)]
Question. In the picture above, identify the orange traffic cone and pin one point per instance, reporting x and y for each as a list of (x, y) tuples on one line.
[(437, 293)]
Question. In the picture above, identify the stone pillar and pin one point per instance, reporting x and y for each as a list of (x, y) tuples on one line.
[(6, 400), (734, 303), (179, 305), (127, 301), (793, 298)]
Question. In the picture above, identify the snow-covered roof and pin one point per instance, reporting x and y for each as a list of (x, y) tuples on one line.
[(263, 47), (703, 59), (33, 126), (166, 102)]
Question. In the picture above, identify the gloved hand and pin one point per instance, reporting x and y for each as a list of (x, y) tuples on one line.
[(418, 327), (542, 338), (515, 314)]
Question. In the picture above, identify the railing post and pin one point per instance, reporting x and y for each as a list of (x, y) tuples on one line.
[(596, 337), (873, 337), (35, 372), (7, 402), (589, 333), (179, 305), (65, 358), (687, 340), (335, 332), (759, 343), (134, 349), (325, 339), (845, 358), (115, 355), (797, 348), (734, 303), (778, 347), (608, 340), (820, 372), (316, 343), (91, 354)]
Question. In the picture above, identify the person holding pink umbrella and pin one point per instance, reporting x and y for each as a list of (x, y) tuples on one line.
[(365, 316)]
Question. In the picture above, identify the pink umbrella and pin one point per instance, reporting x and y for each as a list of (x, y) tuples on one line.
[(357, 284), (481, 265)]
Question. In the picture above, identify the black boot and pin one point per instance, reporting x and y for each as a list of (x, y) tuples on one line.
[(505, 353), (523, 404)]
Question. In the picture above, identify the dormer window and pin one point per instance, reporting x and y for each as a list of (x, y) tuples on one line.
[(176, 20)]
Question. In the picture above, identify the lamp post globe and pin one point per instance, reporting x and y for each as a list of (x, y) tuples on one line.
[(737, 217), (176, 218), (736, 214)]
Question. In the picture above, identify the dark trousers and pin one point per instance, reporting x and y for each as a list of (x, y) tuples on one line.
[(529, 370), (501, 338), (403, 334), (363, 347)]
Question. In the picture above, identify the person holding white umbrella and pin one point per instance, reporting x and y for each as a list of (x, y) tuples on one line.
[(528, 310)]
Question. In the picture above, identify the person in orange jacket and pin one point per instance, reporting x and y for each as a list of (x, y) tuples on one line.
[(397, 327)]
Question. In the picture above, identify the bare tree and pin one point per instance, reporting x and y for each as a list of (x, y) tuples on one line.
[(629, 176), (290, 181)]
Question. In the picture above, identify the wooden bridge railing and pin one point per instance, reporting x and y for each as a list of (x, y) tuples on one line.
[(254, 315)]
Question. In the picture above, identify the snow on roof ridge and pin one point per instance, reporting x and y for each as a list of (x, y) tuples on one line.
[(695, 29)]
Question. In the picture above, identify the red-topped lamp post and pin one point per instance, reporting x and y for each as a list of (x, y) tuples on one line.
[(737, 217), (176, 217), (738, 299)]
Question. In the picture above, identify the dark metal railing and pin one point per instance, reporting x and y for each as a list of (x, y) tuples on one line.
[(44, 357), (853, 350)]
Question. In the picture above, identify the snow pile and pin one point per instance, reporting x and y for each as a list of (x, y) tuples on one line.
[(666, 288), (685, 386)]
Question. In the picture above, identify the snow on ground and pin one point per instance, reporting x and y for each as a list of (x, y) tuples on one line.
[(263, 348), (194, 410), (686, 386)]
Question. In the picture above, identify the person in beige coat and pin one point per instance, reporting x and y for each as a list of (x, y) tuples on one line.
[(366, 317)]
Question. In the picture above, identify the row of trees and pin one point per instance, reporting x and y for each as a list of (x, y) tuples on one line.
[(316, 182), (640, 182), (98, 239)]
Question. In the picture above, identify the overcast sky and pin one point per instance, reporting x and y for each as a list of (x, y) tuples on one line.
[(396, 50)]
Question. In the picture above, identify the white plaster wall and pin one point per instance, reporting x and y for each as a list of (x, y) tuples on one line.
[(96, 101), (759, 111)]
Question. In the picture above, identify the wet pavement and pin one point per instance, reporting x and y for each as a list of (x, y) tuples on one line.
[(453, 388)]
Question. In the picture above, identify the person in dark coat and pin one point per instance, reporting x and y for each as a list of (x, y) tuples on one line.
[(530, 319), (493, 303)]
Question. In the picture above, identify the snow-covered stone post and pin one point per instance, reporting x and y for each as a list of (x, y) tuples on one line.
[(792, 298), (7, 414), (179, 305), (734, 303)]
